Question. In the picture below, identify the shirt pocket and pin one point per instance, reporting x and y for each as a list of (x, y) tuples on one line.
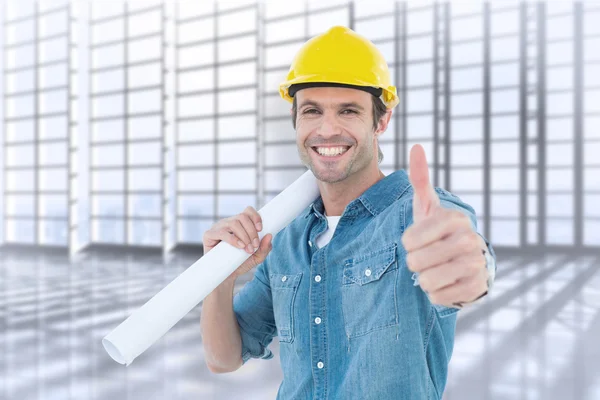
[(283, 289), (369, 291)]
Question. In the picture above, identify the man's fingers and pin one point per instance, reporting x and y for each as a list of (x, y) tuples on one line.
[(430, 256), (214, 236), (264, 249), (442, 224), (239, 231), (210, 239), (465, 289), (448, 273), (250, 228), (255, 217)]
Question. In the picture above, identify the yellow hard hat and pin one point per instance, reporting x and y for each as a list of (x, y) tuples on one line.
[(340, 57)]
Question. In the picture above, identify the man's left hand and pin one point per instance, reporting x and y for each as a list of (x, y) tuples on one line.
[(441, 244)]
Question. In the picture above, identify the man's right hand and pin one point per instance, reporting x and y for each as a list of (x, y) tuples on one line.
[(240, 231)]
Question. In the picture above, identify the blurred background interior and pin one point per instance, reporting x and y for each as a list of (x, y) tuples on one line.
[(129, 128)]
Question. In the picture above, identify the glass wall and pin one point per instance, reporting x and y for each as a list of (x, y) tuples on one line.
[(127, 122), (186, 125), (37, 115), (217, 68), (588, 143)]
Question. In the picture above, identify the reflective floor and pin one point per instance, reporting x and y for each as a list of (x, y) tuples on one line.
[(536, 337)]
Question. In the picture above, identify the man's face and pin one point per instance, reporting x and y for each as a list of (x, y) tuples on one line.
[(334, 131)]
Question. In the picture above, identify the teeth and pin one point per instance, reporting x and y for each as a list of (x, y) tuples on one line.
[(331, 151)]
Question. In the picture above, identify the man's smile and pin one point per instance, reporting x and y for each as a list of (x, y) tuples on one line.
[(330, 153)]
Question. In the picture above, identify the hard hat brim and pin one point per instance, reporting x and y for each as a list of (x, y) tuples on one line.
[(293, 89), (388, 95)]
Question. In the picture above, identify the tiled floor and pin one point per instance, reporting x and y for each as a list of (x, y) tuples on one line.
[(536, 337)]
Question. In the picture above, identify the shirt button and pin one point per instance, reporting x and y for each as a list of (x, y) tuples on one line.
[(284, 279), (318, 278), (320, 365), (368, 272), (317, 320)]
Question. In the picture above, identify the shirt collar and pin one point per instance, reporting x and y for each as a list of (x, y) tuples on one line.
[(375, 199)]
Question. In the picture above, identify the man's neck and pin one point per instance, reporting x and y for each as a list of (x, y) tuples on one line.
[(336, 196)]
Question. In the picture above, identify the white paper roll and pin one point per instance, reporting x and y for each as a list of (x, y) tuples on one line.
[(151, 321)]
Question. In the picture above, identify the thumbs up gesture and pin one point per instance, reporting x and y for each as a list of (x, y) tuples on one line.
[(441, 245)]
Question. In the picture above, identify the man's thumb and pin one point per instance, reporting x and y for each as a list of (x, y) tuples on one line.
[(425, 198)]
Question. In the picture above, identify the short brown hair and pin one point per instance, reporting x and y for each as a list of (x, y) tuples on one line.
[(379, 109)]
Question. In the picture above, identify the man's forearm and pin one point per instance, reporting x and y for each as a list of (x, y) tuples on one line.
[(220, 330)]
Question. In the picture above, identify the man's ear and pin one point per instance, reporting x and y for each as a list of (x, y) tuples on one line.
[(383, 122)]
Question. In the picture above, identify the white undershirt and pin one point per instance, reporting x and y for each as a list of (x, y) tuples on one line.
[(324, 238)]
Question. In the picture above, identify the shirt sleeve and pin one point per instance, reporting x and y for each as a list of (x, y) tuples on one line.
[(253, 308), (492, 267)]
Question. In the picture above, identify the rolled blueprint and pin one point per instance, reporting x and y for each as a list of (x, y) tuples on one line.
[(151, 321)]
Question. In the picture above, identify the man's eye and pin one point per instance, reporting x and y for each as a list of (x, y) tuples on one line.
[(311, 111), (348, 111)]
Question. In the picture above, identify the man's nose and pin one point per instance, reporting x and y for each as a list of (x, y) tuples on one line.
[(329, 125)]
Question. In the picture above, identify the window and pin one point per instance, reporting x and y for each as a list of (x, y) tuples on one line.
[(127, 127), (37, 167), (216, 133)]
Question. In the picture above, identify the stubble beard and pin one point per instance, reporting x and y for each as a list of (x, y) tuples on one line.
[(330, 172)]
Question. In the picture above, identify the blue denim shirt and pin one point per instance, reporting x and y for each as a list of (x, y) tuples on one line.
[(351, 319)]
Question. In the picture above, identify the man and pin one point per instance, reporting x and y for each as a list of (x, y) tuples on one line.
[(363, 287)]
